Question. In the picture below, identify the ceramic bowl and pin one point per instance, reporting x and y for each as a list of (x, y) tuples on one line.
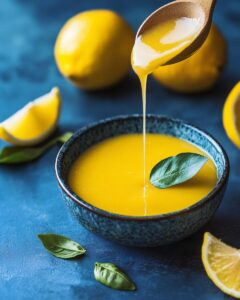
[(145, 231)]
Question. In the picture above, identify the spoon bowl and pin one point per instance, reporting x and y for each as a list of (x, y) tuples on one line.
[(200, 10)]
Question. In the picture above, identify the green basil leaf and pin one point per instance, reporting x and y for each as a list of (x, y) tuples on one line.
[(176, 169), (14, 155), (64, 137), (61, 246), (113, 277)]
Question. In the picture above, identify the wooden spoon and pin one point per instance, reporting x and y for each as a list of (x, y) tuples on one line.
[(199, 9)]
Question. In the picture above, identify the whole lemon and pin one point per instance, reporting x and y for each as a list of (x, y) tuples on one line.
[(200, 71), (93, 49)]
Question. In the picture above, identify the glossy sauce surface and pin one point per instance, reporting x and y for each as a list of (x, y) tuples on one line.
[(109, 176)]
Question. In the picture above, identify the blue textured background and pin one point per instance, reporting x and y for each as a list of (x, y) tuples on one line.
[(30, 202)]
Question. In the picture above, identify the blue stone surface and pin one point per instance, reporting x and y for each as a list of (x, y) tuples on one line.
[(30, 202)]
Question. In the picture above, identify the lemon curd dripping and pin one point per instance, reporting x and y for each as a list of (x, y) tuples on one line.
[(156, 47), (108, 175)]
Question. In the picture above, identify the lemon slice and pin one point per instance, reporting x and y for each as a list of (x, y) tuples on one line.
[(231, 115), (222, 264), (34, 122)]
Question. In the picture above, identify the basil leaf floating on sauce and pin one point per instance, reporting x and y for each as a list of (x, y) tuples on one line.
[(61, 246), (113, 277), (14, 155), (176, 169)]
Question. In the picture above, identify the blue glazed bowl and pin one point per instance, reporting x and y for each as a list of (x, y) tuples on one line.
[(146, 231)]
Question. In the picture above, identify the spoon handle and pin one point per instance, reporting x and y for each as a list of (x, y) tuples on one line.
[(207, 5)]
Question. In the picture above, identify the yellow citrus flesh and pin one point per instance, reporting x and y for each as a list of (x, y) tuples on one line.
[(222, 264), (198, 72), (34, 122), (231, 115), (93, 49)]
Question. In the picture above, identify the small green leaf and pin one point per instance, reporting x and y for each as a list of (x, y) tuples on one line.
[(65, 137), (113, 277), (15, 155), (176, 169), (61, 246)]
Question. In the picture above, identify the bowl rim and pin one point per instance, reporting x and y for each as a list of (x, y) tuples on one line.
[(211, 195)]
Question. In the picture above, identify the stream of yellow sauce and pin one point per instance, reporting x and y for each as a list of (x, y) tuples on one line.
[(156, 47)]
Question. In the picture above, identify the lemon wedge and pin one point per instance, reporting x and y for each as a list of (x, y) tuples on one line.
[(222, 264), (231, 115), (34, 122)]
